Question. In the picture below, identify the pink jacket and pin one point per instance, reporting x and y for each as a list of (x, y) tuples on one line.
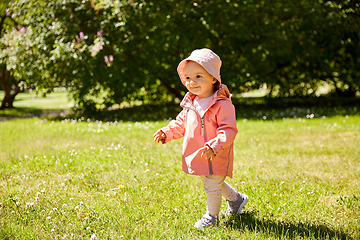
[(217, 129)]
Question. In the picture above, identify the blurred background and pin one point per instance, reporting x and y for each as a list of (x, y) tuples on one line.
[(111, 54)]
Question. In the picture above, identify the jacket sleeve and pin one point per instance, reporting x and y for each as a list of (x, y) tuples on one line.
[(176, 128), (226, 131)]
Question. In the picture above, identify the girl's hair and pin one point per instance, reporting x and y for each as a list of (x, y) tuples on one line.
[(216, 85)]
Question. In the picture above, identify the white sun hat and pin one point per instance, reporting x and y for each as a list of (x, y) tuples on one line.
[(209, 60)]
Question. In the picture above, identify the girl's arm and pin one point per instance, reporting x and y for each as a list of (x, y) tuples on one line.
[(207, 152), (226, 131), (159, 136), (174, 130)]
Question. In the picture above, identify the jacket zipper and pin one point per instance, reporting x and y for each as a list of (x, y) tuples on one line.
[(202, 131), (203, 128), (203, 134)]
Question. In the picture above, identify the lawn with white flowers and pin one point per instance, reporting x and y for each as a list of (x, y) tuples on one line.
[(85, 179)]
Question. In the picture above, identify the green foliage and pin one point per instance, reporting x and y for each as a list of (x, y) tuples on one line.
[(108, 52)]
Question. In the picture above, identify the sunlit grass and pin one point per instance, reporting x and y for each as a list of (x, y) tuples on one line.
[(77, 179)]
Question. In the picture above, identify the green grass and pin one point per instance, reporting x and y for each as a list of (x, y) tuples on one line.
[(81, 177), (75, 179)]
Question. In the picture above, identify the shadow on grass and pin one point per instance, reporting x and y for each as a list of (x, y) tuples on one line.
[(246, 108), (278, 108), (252, 222), (23, 112)]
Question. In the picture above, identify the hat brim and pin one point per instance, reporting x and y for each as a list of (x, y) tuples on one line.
[(181, 67)]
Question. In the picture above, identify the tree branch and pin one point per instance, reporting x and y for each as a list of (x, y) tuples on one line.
[(3, 21), (15, 21), (2, 24)]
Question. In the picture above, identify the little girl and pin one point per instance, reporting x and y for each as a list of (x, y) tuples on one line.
[(208, 125)]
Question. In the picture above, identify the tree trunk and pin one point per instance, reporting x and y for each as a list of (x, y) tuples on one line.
[(8, 100)]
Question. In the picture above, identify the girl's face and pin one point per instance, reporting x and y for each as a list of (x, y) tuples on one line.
[(198, 80)]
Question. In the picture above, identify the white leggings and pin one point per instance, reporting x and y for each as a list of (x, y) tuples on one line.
[(215, 187)]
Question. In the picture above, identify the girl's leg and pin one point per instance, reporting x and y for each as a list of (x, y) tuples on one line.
[(213, 188), (236, 200), (228, 192)]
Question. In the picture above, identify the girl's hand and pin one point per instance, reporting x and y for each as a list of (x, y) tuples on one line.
[(159, 136), (207, 152)]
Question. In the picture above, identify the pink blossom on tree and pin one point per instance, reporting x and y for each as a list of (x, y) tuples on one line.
[(109, 59), (22, 30), (96, 48)]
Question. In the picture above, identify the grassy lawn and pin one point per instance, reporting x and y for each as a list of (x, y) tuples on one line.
[(80, 178), (75, 179)]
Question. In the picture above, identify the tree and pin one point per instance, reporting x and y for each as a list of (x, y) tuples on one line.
[(107, 52), (6, 80)]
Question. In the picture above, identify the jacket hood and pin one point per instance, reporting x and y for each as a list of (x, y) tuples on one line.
[(224, 92)]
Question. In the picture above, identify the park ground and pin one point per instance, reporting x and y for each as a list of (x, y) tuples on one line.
[(72, 177)]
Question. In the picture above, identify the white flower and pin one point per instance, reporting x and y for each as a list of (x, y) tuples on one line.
[(48, 218), (93, 237), (76, 208), (28, 205), (81, 203)]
